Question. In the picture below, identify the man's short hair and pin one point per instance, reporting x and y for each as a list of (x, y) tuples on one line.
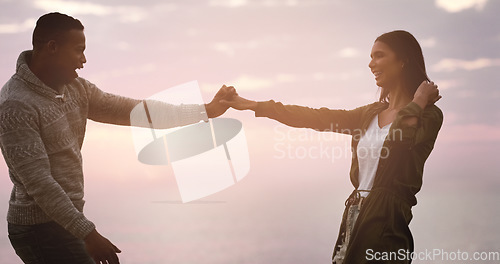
[(52, 26)]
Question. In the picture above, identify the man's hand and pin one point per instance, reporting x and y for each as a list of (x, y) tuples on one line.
[(101, 249), (215, 108)]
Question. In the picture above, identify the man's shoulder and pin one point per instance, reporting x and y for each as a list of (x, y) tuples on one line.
[(15, 90), (82, 82), (14, 81), (15, 107), (82, 85)]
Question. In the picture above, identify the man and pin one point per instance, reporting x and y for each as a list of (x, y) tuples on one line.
[(43, 113)]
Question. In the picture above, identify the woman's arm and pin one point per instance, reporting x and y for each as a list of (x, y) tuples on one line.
[(420, 121), (427, 94), (322, 119)]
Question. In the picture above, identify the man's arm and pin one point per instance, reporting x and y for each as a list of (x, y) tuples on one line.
[(114, 109), (101, 249), (26, 157)]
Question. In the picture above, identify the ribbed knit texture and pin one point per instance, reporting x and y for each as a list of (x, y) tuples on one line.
[(41, 135)]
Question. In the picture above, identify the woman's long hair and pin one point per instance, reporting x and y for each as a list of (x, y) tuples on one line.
[(409, 51)]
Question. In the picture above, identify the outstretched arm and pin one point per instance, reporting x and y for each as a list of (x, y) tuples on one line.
[(119, 110), (323, 119)]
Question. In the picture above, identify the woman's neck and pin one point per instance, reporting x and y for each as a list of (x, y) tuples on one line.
[(398, 98)]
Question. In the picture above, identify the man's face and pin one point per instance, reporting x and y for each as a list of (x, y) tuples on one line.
[(69, 56)]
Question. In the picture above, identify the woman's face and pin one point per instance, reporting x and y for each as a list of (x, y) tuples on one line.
[(385, 65)]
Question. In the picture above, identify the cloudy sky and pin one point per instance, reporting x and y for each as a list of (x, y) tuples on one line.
[(310, 52)]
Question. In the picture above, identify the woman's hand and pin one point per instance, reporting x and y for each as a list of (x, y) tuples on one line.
[(427, 94), (239, 103)]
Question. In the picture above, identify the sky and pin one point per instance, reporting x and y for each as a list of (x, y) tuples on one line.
[(313, 53)]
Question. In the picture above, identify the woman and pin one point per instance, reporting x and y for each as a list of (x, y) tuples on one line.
[(391, 139)]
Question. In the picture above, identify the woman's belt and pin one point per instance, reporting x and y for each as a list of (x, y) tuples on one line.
[(355, 198)]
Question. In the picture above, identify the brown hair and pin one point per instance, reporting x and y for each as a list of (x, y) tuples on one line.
[(409, 51)]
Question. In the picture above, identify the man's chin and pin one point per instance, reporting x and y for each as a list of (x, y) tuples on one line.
[(70, 79), (72, 76)]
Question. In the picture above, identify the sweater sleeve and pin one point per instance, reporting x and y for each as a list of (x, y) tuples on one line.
[(27, 159), (114, 109), (322, 119)]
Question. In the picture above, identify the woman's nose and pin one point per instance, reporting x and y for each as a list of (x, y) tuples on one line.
[(371, 64)]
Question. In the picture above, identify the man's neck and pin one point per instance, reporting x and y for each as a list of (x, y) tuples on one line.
[(43, 72)]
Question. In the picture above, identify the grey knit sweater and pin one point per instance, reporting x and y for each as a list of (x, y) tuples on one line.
[(41, 135)]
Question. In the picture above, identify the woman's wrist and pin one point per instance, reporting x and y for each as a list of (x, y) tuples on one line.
[(253, 105), (422, 102)]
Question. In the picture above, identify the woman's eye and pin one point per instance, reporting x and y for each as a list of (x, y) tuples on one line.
[(377, 56)]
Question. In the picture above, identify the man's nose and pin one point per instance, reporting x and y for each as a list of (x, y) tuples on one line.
[(83, 59)]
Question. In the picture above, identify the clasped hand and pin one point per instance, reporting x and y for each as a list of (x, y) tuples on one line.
[(228, 97)]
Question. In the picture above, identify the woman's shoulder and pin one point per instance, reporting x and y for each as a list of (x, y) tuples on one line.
[(375, 106)]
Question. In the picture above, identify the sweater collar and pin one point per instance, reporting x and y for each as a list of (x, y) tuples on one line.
[(25, 73)]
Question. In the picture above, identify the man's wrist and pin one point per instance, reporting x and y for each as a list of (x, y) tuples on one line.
[(90, 235), (208, 110)]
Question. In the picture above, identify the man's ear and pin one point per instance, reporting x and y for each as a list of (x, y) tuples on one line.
[(51, 46), (405, 63)]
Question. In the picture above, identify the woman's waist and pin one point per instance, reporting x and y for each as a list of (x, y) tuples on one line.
[(359, 196)]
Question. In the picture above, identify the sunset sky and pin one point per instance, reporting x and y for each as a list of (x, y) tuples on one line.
[(310, 52)]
